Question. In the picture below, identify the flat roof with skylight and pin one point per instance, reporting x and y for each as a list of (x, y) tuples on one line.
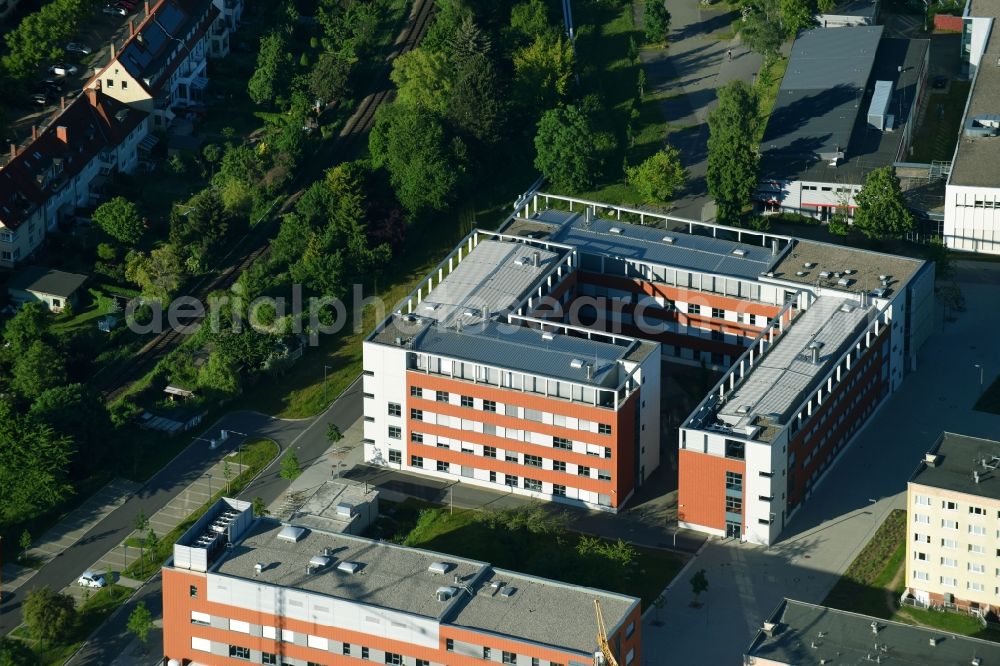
[(844, 268), (962, 464)]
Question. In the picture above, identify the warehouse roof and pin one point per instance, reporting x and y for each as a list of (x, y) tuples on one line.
[(400, 578), (972, 153), (780, 380), (621, 240), (960, 461), (804, 634)]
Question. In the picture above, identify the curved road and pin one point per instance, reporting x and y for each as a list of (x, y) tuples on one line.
[(306, 437)]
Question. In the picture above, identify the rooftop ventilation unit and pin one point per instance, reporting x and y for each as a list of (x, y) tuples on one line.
[(291, 533), (345, 510), (743, 410), (845, 282), (883, 278), (576, 363), (507, 592), (348, 567), (740, 252), (445, 592), (548, 336), (849, 271), (824, 274), (669, 240), (809, 264), (520, 261), (430, 307), (879, 108), (878, 293), (319, 561), (770, 628), (439, 568), (933, 641), (495, 586), (616, 230), (847, 307), (802, 273), (931, 459), (814, 348)]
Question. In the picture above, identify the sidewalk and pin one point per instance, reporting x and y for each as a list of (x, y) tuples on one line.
[(687, 73), (69, 531)]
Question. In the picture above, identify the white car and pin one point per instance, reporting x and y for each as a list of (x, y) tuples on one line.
[(64, 69), (91, 579)]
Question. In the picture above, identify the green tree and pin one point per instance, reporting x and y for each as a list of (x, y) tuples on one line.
[(227, 474), (259, 507), (33, 464), (140, 524), (150, 541), (659, 176), (424, 166), (656, 21), (796, 15), (699, 583), (468, 40), (140, 622), (758, 28), (478, 102), (120, 219), (565, 148), (333, 434), (75, 411), (219, 374), (329, 76), (270, 80), (40, 36), (446, 23), (423, 78), (543, 71), (49, 615), (15, 653), (881, 211), (25, 543), (290, 468), (732, 150), (30, 324), (39, 367), (158, 274), (530, 20)]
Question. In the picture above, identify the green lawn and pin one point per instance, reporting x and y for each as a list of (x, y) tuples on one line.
[(90, 615), (862, 588), (937, 135), (257, 455), (767, 84), (550, 554), (989, 401)]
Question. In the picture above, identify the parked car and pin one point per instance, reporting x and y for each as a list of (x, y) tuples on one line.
[(54, 85), (114, 11), (64, 69), (78, 48), (91, 579), (40, 99)]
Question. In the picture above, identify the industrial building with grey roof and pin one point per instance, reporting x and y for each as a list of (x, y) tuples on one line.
[(803, 634)]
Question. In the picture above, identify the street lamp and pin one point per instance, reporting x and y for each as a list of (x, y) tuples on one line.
[(239, 447), (980, 366), (209, 486)]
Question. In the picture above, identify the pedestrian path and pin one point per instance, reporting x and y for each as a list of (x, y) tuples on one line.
[(166, 519), (69, 531)]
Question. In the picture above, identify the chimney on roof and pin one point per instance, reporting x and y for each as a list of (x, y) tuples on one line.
[(113, 48), (34, 132), (92, 94), (62, 102), (62, 133), (131, 28), (147, 7)]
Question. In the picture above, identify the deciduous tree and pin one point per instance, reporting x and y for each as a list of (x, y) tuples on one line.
[(543, 71), (36, 369), (423, 78), (656, 21), (478, 105), (424, 164), (49, 615), (158, 274), (28, 325), (796, 15), (273, 73), (732, 150), (881, 211), (530, 20), (15, 653), (290, 469), (564, 145), (659, 176), (699, 583), (140, 622), (329, 76), (761, 28), (120, 219)]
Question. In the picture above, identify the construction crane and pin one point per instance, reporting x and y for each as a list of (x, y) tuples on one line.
[(605, 657)]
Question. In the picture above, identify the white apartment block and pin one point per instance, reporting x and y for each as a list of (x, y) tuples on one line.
[(953, 527)]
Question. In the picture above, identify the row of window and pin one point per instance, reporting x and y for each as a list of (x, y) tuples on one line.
[(505, 656), (949, 505), (396, 432), (949, 524), (243, 653), (949, 581), (395, 409), (952, 563), (952, 544), (509, 456)]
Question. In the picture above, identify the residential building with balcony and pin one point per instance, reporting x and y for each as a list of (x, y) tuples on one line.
[(953, 527), (241, 590), (43, 182), (531, 348), (162, 66)]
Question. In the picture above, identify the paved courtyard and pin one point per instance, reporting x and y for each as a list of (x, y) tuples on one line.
[(747, 582)]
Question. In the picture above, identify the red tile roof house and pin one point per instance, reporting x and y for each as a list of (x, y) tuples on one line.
[(47, 179), (162, 65)]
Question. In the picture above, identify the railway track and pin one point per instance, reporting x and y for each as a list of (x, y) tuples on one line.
[(116, 382)]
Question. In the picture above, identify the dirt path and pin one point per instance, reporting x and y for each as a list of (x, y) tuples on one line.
[(890, 594)]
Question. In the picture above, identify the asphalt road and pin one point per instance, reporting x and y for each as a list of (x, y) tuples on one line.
[(306, 437)]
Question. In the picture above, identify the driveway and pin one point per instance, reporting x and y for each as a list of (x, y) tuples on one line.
[(687, 73), (747, 582)]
